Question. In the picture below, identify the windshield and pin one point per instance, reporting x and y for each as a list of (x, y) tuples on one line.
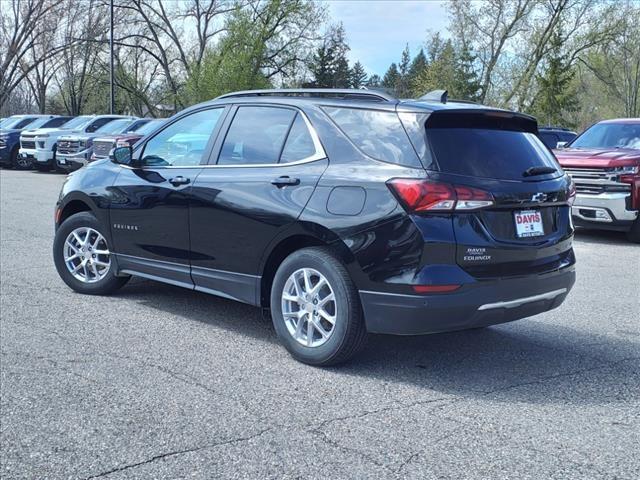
[(610, 135), (149, 127), (77, 123), (477, 152), (18, 123), (115, 126)]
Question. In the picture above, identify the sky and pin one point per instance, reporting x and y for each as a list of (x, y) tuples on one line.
[(378, 30)]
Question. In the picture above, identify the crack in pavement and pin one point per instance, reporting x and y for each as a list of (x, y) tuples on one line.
[(174, 453)]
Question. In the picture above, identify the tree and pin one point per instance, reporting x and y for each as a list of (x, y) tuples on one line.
[(557, 95), (23, 26), (79, 73), (329, 65), (390, 79), (466, 84), (358, 76), (262, 44), (374, 81), (402, 86), (615, 62), (441, 73), (418, 64)]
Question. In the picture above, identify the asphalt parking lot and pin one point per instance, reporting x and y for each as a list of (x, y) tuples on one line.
[(161, 382)]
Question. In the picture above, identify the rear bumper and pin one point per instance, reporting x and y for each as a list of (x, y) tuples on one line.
[(603, 210), (485, 303)]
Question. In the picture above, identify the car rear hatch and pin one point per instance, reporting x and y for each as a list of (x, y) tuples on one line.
[(523, 224)]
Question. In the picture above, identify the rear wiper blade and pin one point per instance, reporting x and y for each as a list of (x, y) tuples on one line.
[(532, 171)]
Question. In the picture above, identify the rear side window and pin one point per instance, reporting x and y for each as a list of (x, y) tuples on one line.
[(256, 136), (377, 133), (488, 153)]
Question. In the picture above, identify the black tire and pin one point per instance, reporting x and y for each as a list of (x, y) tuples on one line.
[(109, 283), (349, 333), (21, 163), (13, 158), (634, 234)]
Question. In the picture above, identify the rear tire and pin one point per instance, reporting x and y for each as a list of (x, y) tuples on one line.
[(82, 257), (634, 234), (321, 283)]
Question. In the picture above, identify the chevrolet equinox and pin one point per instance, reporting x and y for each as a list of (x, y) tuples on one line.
[(341, 211)]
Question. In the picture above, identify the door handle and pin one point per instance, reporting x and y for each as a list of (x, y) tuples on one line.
[(180, 180), (284, 181)]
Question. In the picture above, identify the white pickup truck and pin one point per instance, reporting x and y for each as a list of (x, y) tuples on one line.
[(41, 145)]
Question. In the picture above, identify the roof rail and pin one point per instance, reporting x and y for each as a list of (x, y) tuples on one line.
[(341, 93)]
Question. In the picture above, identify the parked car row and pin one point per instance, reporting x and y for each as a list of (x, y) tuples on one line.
[(604, 162), (46, 142)]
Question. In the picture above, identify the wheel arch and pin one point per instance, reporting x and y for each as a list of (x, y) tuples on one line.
[(72, 204), (303, 236)]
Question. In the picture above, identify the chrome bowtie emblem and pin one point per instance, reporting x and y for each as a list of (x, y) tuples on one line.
[(539, 197)]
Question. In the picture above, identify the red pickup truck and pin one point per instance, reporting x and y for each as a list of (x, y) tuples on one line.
[(604, 162)]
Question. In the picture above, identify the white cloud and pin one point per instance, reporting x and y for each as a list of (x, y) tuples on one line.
[(378, 30)]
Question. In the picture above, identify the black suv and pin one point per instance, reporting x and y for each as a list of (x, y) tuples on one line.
[(553, 136), (342, 211)]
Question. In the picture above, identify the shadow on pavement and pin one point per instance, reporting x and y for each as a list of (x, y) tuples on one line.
[(527, 361)]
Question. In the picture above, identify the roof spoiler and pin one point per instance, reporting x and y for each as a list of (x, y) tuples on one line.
[(439, 96)]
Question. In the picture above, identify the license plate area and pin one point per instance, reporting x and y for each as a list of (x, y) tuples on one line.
[(528, 223)]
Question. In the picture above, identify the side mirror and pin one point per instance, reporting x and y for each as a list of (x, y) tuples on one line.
[(122, 155), (561, 144)]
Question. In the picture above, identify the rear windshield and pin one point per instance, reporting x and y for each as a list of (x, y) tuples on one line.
[(488, 153)]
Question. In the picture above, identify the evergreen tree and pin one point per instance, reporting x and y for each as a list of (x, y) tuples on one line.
[(418, 65), (402, 84), (390, 78), (329, 65), (322, 66), (358, 75), (466, 85), (557, 97), (374, 81)]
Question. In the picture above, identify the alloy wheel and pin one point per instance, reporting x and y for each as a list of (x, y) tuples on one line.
[(86, 255), (309, 307)]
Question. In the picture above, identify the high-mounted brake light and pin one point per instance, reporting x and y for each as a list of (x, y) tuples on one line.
[(419, 195)]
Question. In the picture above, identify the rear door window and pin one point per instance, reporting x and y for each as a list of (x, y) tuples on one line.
[(256, 136), (489, 153), (377, 133), (299, 144)]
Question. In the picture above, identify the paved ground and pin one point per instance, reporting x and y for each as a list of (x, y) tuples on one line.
[(160, 382)]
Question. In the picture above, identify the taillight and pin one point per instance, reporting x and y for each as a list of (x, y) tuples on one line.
[(418, 195)]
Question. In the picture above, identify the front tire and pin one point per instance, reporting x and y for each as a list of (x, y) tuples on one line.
[(21, 163), (316, 308), (82, 257)]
